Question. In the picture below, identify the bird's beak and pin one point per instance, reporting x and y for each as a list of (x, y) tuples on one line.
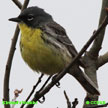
[(15, 19)]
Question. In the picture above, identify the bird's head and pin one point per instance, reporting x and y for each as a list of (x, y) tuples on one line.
[(32, 16)]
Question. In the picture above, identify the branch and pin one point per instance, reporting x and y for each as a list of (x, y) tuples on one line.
[(9, 61), (75, 103), (68, 102), (98, 41), (8, 67), (92, 55), (75, 59), (34, 87), (18, 3), (45, 83), (26, 2), (102, 60)]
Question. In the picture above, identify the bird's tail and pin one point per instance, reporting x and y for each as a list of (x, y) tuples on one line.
[(84, 80)]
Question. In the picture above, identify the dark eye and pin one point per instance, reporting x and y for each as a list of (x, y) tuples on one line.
[(30, 17)]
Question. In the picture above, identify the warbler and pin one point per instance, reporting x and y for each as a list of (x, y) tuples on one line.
[(46, 48)]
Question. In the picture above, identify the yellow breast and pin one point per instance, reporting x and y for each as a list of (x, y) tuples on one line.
[(37, 54)]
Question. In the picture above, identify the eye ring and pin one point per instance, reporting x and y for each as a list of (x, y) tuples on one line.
[(30, 17)]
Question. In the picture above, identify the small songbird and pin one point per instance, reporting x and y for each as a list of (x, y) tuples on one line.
[(46, 48)]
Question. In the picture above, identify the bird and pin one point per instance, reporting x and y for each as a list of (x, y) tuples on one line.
[(46, 47)]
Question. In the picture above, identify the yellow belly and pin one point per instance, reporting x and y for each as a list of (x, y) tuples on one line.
[(37, 54)]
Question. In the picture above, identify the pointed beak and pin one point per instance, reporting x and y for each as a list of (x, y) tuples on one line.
[(15, 19)]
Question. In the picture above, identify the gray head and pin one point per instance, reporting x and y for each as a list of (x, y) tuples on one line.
[(33, 17)]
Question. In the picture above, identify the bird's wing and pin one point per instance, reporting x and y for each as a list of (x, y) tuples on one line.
[(58, 32)]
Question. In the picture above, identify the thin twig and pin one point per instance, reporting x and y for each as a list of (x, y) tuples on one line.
[(34, 87), (8, 67), (75, 59), (43, 98), (68, 102), (9, 61), (18, 3), (75, 103), (45, 83), (26, 2), (102, 60)]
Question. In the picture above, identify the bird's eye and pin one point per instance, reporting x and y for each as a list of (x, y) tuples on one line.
[(30, 17)]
